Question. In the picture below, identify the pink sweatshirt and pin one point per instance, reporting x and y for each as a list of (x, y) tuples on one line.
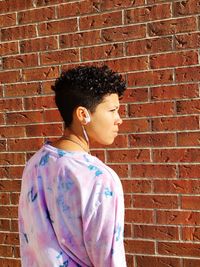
[(71, 211)]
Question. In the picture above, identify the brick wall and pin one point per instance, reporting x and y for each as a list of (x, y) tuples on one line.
[(155, 45)]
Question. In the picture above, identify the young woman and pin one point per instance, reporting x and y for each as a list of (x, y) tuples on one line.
[(71, 210)]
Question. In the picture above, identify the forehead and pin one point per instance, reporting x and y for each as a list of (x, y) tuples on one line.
[(112, 99)]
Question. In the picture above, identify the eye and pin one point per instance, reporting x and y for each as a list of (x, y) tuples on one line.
[(112, 110)]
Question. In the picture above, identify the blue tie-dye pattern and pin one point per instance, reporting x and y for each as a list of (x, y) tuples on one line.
[(67, 185), (44, 159), (65, 264), (59, 255), (108, 192), (64, 207), (117, 232), (94, 168), (86, 159), (32, 195), (61, 153)]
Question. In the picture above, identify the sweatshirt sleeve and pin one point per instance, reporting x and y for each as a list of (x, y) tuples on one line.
[(103, 225)]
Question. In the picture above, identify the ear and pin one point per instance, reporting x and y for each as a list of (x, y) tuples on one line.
[(82, 115)]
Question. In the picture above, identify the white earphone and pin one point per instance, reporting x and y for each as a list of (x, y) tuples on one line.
[(87, 118)]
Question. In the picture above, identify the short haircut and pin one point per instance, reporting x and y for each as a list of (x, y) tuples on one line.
[(85, 86)]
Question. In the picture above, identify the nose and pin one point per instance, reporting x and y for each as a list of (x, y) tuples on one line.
[(118, 120)]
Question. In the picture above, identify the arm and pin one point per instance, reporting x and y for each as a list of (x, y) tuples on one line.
[(103, 227)]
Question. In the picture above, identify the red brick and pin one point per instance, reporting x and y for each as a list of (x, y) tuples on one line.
[(14, 198), (9, 48), (131, 155), (172, 26), (124, 33), (150, 78), (120, 4), (39, 44), (47, 2), (188, 7), (175, 123), (188, 106), (10, 185), (120, 169), (44, 130), (55, 27), (24, 117), (130, 260), (189, 171), (2, 145), (177, 186), (155, 201), (10, 262), (100, 52), (80, 39), (178, 217), (12, 158), (100, 154), (40, 73), (128, 201), (174, 91), (139, 216), (176, 155), (10, 104), (76, 9), (17, 33), (191, 262), (4, 198), (188, 139), (136, 125), (6, 251), (22, 89), (157, 261), (11, 172), (13, 5), (121, 141), (136, 186), (9, 76), (156, 232), (39, 102), (127, 230), (36, 15), (135, 95), (14, 225), (2, 120), (152, 140), (187, 74), (187, 40), (148, 13), (21, 61), (151, 109), (148, 46), (179, 249), (55, 57), (101, 20), (153, 171), (174, 59), (4, 225), (25, 144), (52, 116), (8, 20), (128, 64), (190, 202), (46, 87), (191, 233), (139, 246), (9, 238), (8, 212)]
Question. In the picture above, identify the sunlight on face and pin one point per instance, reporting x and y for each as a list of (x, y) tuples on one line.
[(105, 121)]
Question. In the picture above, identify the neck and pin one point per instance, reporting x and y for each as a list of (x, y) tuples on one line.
[(77, 139)]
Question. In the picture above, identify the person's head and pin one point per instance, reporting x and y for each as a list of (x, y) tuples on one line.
[(84, 93)]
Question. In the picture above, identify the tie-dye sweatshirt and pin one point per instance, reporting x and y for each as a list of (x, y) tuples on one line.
[(71, 211)]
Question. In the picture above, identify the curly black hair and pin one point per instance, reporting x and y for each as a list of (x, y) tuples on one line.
[(85, 86)]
